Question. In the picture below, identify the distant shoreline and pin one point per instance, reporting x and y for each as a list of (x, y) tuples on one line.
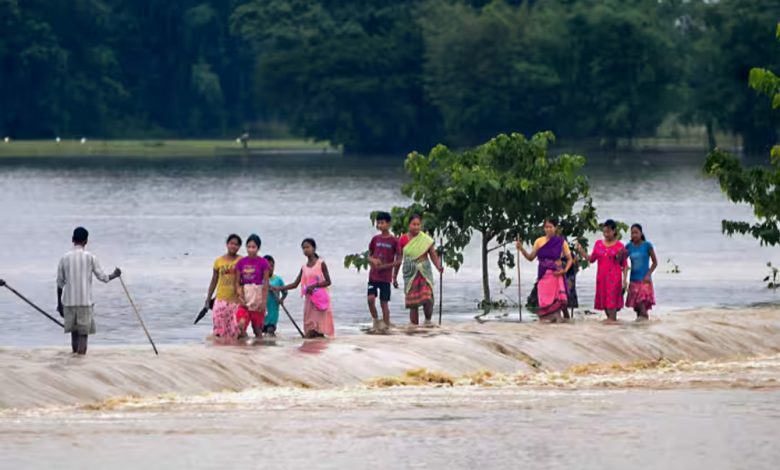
[(160, 148)]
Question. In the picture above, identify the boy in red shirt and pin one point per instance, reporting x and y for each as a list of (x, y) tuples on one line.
[(384, 252)]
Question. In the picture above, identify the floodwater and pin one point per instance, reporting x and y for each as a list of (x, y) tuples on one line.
[(164, 221), (697, 387)]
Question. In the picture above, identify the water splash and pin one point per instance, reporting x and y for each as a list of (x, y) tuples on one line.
[(697, 345)]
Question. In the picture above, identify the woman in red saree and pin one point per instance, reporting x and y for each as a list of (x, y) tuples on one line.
[(551, 280)]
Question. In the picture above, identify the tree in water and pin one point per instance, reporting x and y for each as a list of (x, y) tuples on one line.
[(757, 186), (502, 189)]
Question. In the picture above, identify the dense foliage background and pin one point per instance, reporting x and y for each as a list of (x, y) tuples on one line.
[(377, 75)]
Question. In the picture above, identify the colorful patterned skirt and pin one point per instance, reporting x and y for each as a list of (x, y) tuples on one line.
[(640, 293), (551, 291), (420, 293), (223, 316)]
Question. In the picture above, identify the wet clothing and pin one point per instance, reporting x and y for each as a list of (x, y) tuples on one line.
[(609, 275), (551, 288), (386, 249), (417, 271), (252, 270), (640, 260), (640, 293), (272, 305), (317, 310), (74, 277), (380, 289), (223, 317), (226, 279), (80, 320)]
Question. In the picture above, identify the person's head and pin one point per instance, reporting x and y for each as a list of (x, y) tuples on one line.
[(309, 247), (253, 245), (233, 244), (550, 226), (637, 235), (80, 236), (415, 224), (383, 220), (271, 264), (609, 229)]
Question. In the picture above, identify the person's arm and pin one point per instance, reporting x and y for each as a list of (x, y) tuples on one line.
[(284, 294), (372, 260), (326, 274), (239, 288), (294, 284), (98, 272), (212, 287), (653, 265), (529, 256), (266, 278), (569, 262), (60, 286), (397, 265), (435, 258)]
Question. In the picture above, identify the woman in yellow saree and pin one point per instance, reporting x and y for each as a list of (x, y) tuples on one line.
[(419, 251)]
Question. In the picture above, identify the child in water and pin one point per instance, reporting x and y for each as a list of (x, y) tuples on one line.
[(223, 282), (252, 274), (274, 299), (314, 280), (383, 253)]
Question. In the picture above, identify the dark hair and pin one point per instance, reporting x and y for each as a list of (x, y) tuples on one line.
[(270, 259), (254, 238), (639, 227), (611, 224), (235, 237), (80, 235), (383, 216), (415, 216), (551, 220), (313, 244)]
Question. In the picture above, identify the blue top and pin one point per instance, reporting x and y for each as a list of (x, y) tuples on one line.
[(272, 305), (640, 259)]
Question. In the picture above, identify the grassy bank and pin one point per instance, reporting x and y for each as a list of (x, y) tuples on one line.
[(152, 148)]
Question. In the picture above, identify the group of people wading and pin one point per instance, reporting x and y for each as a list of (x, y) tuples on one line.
[(247, 292), (555, 285), (244, 291)]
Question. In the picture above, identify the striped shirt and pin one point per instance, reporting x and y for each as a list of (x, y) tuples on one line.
[(74, 277)]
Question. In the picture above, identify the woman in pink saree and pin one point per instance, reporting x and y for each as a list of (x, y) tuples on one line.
[(551, 280)]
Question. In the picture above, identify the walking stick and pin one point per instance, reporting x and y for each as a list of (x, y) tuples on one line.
[(40, 310), (288, 314), (441, 279), (138, 315), (519, 289)]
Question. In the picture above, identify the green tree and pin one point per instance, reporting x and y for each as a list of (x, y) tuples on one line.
[(502, 190), (757, 186), (617, 69), (726, 39), (347, 72), (485, 69)]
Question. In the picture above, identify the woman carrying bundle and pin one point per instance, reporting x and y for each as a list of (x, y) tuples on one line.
[(551, 274)]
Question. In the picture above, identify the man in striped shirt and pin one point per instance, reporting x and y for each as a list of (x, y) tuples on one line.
[(74, 290)]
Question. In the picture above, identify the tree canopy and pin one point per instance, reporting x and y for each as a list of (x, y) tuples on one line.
[(757, 186), (379, 76)]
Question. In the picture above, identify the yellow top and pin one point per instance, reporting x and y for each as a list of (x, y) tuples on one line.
[(226, 279), (541, 241)]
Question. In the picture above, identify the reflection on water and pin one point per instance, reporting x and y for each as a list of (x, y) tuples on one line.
[(164, 221)]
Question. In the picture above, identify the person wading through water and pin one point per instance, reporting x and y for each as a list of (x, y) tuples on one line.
[(74, 290)]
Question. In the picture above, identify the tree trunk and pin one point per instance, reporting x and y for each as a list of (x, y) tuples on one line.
[(485, 278), (711, 142)]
